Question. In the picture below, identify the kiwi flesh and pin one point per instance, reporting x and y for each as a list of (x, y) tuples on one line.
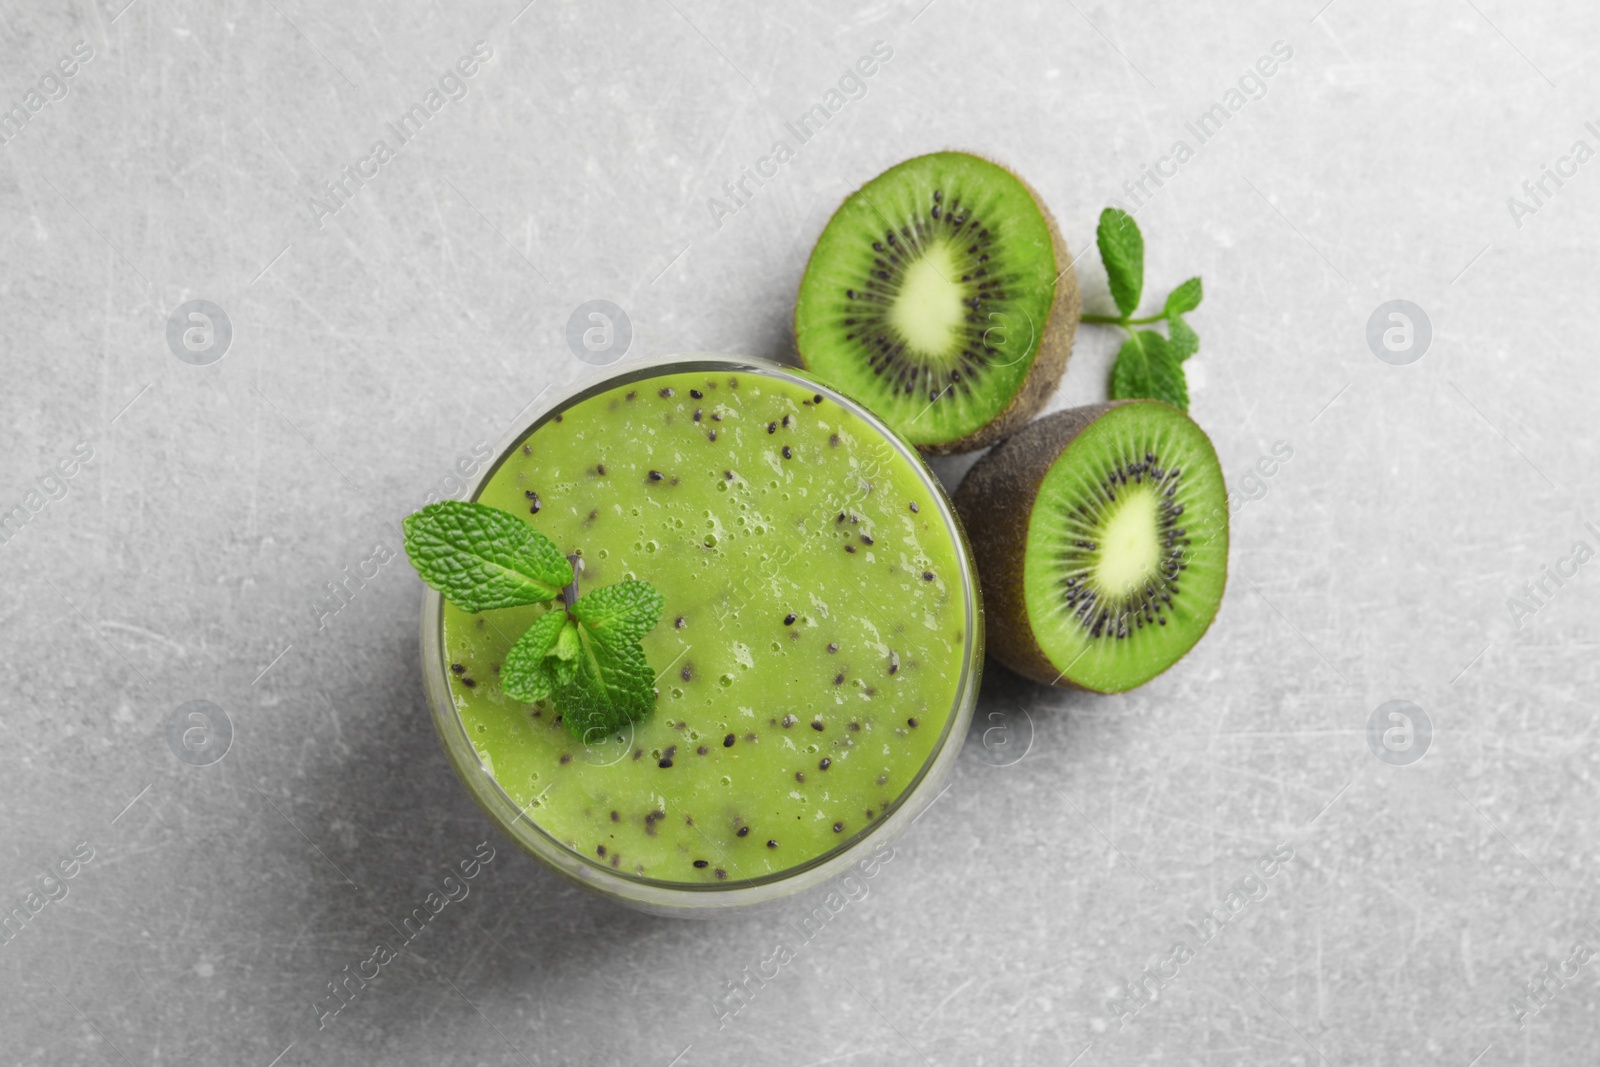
[(1101, 538), (941, 295)]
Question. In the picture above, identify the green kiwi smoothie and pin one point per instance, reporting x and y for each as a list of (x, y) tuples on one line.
[(813, 644)]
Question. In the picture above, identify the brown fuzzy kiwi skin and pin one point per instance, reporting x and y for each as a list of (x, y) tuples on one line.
[(1055, 344), (995, 502)]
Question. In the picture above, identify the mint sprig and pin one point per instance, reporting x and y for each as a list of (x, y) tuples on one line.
[(585, 656), (1149, 365)]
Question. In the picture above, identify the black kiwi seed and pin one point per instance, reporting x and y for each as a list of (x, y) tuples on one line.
[(666, 391), (679, 622), (838, 679), (894, 662), (788, 620), (786, 420), (727, 742), (468, 682), (816, 724), (799, 776), (772, 427), (816, 398), (912, 722), (702, 863), (838, 827), (788, 453), (656, 476), (687, 674), (697, 394), (788, 721), (743, 831), (631, 394), (772, 844), (914, 508), (833, 646), (927, 576), (534, 503), (825, 764), (849, 548), (458, 668)]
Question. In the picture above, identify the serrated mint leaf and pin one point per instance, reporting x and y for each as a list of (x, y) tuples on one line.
[(480, 557), (528, 672), (612, 686), (1147, 369), (1183, 341), (1122, 251), (1185, 297), (627, 610)]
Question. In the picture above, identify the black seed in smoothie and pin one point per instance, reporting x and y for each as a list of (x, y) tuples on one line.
[(468, 682), (716, 416), (697, 394), (833, 439), (656, 476), (786, 420), (866, 539), (927, 576), (687, 674), (566, 758), (631, 394), (912, 722), (666, 392), (702, 863), (527, 450), (771, 843), (458, 668), (788, 620), (883, 779), (728, 475), (914, 508), (696, 414), (534, 503), (712, 436), (799, 776), (849, 548), (750, 738), (788, 721), (638, 752), (743, 831), (894, 662), (838, 827), (788, 453), (679, 622), (855, 727), (616, 859), (840, 518), (772, 427), (727, 742), (616, 816), (838, 679), (664, 762), (702, 750), (825, 764), (600, 850), (816, 398), (833, 646), (816, 724), (600, 468), (720, 873)]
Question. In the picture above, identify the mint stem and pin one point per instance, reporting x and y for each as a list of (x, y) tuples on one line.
[(569, 595)]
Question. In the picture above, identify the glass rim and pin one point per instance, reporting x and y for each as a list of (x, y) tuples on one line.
[(677, 897)]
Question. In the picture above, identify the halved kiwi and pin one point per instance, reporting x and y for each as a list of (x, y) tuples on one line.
[(1101, 537), (942, 296)]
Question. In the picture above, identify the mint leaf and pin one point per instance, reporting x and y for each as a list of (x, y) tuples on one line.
[(527, 673), (480, 557), (1147, 368), (1185, 297), (611, 687), (587, 660), (1122, 251), (1183, 341), (625, 611)]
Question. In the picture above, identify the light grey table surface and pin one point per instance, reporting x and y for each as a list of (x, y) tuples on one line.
[(373, 344)]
